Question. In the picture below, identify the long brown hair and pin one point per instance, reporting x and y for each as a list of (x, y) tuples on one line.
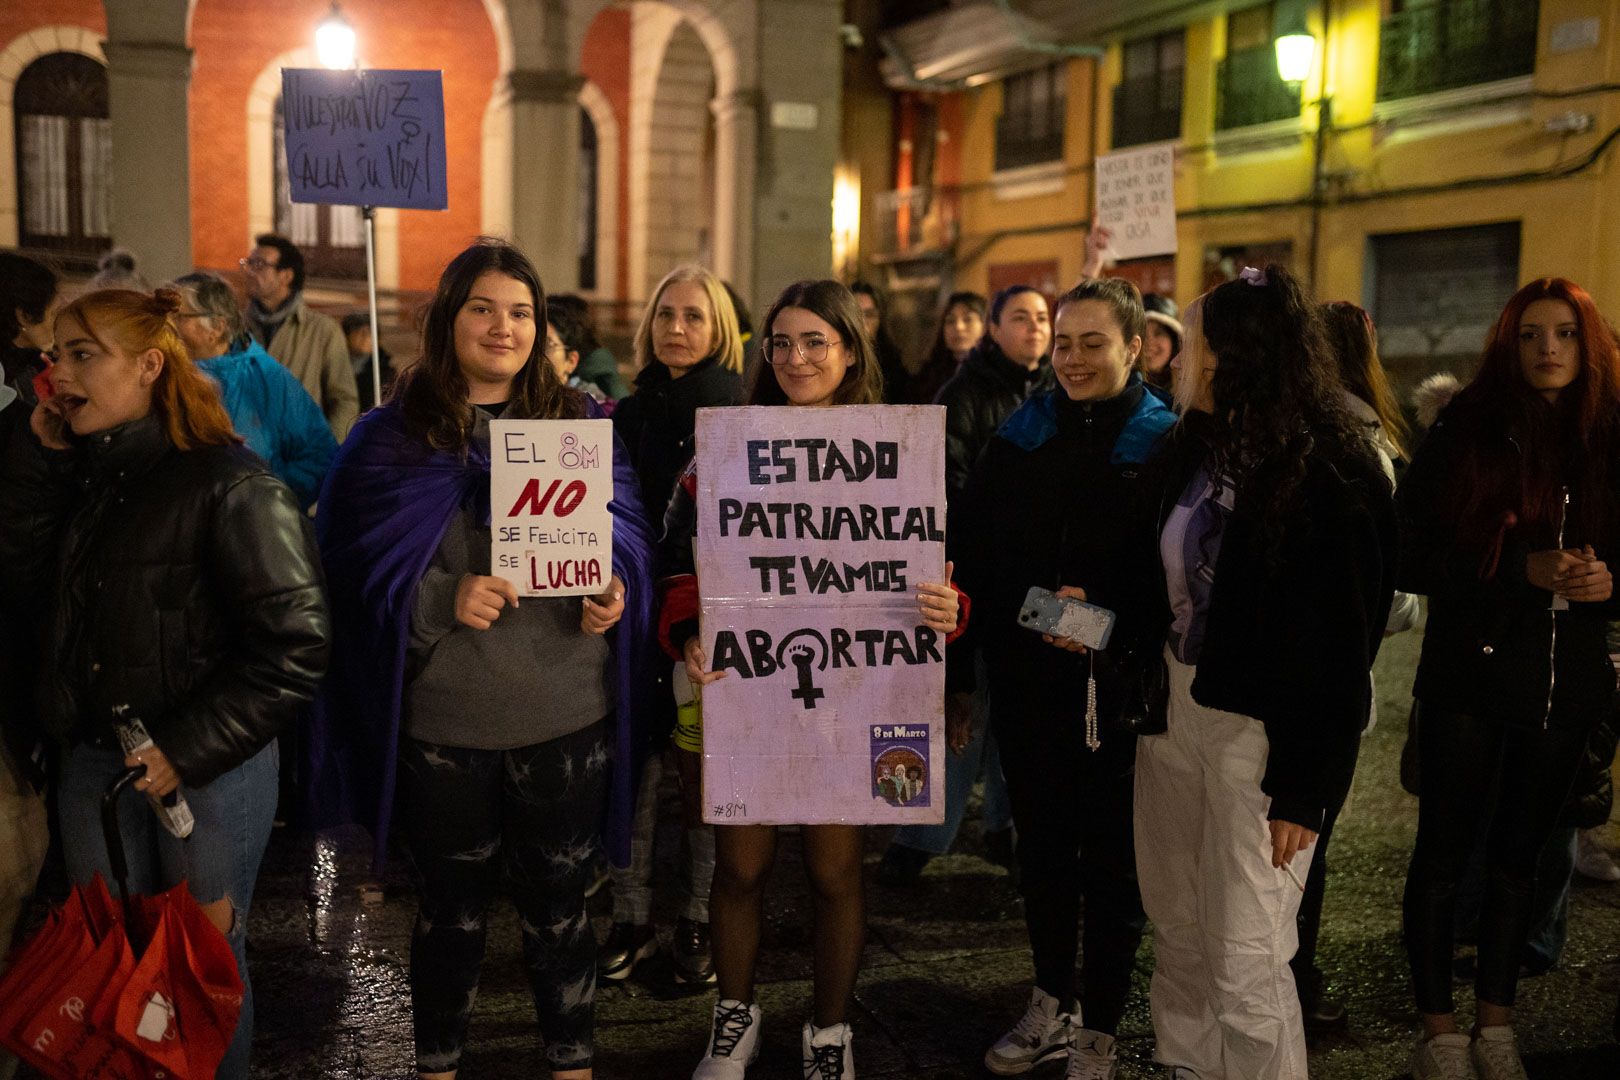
[(433, 393), (1567, 443), (185, 400), (832, 301), (1354, 342)]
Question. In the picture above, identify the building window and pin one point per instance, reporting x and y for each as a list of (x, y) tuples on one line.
[(332, 238), (1436, 294), (587, 201), (1222, 264), (64, 155), (1430, 45), (1248, 88), (1029, 130), (1147, 101)]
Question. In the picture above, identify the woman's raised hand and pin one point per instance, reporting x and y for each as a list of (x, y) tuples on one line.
[(938, 604)]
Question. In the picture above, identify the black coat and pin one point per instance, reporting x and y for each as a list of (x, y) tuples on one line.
[(657, 423), (982, 394), (1488, 645), (184, 585), (1053, 504), (1292, 631)]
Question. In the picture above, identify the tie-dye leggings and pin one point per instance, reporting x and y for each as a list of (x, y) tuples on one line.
[(530, 817)]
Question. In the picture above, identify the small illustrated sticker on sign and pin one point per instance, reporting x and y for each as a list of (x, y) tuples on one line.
[(550, 483)]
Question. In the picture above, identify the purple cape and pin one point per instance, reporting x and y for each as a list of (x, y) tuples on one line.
[(383, 510)]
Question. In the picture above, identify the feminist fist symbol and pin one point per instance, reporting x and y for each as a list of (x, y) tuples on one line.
[(801, 657)]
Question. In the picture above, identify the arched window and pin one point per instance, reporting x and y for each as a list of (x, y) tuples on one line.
[(64, 155), (332, 238), (587, 201)]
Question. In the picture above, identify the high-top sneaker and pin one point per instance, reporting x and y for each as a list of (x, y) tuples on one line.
[(1496, 1054), (1091, 1056), (1444, 1057), (829, 1053), (733, 1042), (1042, 1034)]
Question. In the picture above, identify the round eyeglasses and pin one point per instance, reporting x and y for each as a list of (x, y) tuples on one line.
[(780, 350)]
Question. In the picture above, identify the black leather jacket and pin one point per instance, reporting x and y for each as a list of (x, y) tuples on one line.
[(657, 422), (182, 584), (977, 399)]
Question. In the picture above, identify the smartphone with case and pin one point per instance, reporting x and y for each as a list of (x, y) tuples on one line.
[(1066, 617)]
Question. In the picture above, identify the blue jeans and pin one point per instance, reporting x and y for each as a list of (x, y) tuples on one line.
[(960, 773), (220, 860)]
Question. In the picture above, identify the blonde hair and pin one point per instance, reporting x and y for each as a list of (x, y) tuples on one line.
[(728, 347)]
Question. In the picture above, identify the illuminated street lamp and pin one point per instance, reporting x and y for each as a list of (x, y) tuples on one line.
[(1296, 45), (335, 41)]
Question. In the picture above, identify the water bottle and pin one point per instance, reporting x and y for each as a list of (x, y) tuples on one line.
[(171, 810)]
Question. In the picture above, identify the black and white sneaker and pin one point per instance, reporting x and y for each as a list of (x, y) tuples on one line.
[(828, 1053), (1042, 1034), (733, 1042)]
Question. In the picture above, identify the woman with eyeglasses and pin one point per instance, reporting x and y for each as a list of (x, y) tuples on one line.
[(690, 352), (270, 408), (1509, 516), (817, 356)]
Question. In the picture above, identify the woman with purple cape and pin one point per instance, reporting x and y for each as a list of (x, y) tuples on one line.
[(499, 733)]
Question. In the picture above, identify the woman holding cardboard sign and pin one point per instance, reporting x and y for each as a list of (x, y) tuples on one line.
[(508, 721), (817, 354)]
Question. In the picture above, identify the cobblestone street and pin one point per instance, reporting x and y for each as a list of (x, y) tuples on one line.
[(946, 965)]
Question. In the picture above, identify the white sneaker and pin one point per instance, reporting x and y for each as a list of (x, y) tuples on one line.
[(1042, 1034), (1091, 1056), (1444, 1057), (1591, 860), (1496, 1054), (828, 1053), (733, 1042)]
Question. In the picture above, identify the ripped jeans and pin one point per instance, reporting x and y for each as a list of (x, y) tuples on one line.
[(219, 860), (529, 820)]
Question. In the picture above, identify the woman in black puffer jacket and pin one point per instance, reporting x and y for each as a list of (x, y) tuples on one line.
[(180, 588)]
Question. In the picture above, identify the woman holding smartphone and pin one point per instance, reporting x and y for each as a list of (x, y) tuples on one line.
[(817, 355)]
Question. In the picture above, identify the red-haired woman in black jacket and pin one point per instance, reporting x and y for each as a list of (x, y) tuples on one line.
[(1508, 513)]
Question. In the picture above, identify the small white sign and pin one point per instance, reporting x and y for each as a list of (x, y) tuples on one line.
[(1573, 35), (1136, 200), (550, 482), (795, 115)]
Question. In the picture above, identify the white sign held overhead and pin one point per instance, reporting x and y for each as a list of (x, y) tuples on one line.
[(550, 485), (1136, 200)]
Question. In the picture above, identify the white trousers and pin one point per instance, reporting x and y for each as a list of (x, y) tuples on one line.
[(1223, 998)]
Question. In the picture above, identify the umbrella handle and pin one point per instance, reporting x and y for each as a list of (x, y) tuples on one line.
[(115, 840)]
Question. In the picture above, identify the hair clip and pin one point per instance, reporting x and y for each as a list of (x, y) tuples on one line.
[(1253, 276)]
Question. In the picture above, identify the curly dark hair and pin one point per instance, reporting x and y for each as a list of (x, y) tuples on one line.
[(1277, 395), (433, 393)]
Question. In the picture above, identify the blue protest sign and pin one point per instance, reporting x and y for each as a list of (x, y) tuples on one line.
[(365, 138)]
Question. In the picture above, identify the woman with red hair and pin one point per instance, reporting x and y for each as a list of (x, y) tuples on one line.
[(1508, 514), (173, 579)]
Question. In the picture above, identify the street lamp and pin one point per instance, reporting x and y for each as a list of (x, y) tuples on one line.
[(1295, 44), (335, 41)]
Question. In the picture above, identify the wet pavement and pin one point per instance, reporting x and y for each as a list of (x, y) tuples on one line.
[(946, 966)]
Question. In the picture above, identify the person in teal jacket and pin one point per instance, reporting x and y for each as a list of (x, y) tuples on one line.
[(269, 407)]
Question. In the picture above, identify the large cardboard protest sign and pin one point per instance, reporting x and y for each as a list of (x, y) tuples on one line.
[(1136, 200), (815, 527), (365, 138), (550, 482)]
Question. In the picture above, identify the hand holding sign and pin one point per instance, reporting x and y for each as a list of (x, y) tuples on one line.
[(603, 612), (479, 600), (938, 604), (697, 664)]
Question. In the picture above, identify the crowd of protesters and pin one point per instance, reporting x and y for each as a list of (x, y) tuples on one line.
[(209, 521)]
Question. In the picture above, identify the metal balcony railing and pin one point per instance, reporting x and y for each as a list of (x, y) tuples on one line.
[(1452, 43), (1249, 90), (917, 221), (1147, 109)]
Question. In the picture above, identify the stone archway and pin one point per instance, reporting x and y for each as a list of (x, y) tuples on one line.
[(17, 55)]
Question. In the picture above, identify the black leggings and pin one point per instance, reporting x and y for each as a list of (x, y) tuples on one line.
[(532, 816), (1476, 773), (1073, 811)]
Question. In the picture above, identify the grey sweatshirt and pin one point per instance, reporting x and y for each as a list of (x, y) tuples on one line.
[(532, 677)]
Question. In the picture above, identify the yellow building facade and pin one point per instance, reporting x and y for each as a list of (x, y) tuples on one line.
[(1462, 136)]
